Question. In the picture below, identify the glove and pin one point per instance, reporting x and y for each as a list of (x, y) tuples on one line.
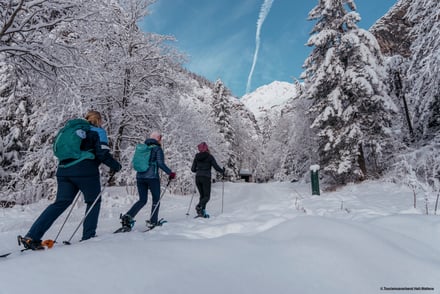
[(113, 170), (172, 175), (115, 167)]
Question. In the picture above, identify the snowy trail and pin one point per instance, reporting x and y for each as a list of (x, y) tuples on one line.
[(271, 238)]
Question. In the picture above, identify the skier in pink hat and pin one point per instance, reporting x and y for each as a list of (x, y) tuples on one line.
[(202, 164)]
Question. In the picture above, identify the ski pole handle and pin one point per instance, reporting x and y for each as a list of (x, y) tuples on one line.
[(112, 175)]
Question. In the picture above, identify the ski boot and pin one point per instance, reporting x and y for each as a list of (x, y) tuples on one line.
[(204, 214), (151, 225), (30, 244), (127, 223), (201, 212)]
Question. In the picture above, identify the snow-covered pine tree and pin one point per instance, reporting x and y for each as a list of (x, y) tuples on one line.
[(222, 115), (423, 76), (11, 136), (247, 145), (298, 139), (344, 78), (418, 166), (396, 66)]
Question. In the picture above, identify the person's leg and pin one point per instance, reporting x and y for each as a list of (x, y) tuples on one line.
[(199, 185), (91, 188), (206, 188), (155, 193), (65, 195), (142, 186)]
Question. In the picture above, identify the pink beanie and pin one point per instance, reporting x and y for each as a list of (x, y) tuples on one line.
[(203, 147)]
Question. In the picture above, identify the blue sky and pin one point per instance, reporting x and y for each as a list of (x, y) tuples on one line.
[(219, 37)]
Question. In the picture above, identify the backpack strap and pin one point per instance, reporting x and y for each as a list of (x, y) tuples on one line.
[(69, 162), (153, 154)]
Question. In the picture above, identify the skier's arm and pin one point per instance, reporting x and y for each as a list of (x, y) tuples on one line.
[(103, 155), (161, 162), (194, 166), (215, 165)]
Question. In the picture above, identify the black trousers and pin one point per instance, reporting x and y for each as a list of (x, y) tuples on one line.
[(204, 186)]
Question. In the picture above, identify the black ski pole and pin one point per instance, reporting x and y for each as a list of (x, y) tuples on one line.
[(189, 207), (194, 193), (223, 190), (88, 211), (68, 215)]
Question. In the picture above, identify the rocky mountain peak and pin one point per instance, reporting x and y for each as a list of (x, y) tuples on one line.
[(392, 31)]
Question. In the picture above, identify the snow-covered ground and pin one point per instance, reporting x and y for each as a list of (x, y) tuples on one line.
[(270, 238)]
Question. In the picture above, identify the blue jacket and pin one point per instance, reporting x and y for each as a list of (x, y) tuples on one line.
[(90, 167), (157, 160), (102, 134)]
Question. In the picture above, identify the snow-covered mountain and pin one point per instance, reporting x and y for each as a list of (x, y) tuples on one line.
[(269, 98), (392, 31), (278, 113)]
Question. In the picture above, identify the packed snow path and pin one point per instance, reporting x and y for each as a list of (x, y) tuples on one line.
[(271, 238)]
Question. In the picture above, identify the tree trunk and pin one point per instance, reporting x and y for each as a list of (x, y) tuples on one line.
[(361, 162), (399, 92)]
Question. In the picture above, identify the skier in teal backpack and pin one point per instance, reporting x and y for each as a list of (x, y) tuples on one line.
[(147, 178), (81, 146)]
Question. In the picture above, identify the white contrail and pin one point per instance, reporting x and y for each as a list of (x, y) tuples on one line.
[(264, 11)]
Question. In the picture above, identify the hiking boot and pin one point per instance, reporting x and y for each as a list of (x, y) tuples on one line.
[(127, 221), (199, 211), (202, 213), (28, 243), (151, 224), (87, 238)]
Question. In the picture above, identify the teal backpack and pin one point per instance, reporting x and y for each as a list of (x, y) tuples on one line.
[(141, 158), (68, 142)]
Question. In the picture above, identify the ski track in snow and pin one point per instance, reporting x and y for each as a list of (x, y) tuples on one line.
[(263, 207), (270, 238)]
